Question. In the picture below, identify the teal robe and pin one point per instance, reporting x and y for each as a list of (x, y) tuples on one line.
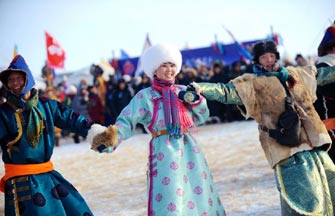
[(47, 193)]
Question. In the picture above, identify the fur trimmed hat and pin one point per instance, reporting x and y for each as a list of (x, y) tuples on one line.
[(264, 47), (158, 54), (328, 41)]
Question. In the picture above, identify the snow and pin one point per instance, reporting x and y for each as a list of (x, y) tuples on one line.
[(115, 184)]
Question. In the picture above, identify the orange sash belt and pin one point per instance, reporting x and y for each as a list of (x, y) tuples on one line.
[(163, 132), (329, 123), (13, 170)]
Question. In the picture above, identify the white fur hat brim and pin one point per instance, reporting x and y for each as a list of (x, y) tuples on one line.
[(158, 54)]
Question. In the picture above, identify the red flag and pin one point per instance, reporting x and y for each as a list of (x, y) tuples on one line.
[(55, 53)]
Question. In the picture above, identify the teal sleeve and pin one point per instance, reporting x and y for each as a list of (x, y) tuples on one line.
[(326, 75), (224, 93), (199, 111)]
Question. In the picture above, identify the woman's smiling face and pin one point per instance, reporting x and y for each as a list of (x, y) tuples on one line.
[(166, 71)]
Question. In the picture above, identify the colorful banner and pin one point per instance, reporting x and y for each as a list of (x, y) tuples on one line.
[(230, 53), (124, 54)]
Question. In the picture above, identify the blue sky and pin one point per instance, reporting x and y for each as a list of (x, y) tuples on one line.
[(93, 30)]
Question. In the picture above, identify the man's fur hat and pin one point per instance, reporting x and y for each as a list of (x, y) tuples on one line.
[(264, 47)]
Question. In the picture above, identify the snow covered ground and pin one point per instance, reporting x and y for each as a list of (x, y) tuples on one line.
[(115, 184)]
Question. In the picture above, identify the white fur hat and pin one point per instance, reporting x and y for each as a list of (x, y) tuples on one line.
[(158, 54)]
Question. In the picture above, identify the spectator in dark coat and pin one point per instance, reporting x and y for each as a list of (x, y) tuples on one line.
[(121, 96), (80, 105), (95, 106), (145, 83), (232, 111), (109, 115), (217, 109)]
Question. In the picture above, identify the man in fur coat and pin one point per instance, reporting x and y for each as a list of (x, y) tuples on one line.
[(304, 172), (325, 104)]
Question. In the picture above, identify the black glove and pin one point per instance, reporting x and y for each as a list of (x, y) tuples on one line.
[(190, 88), (188, 96), (193, 86)]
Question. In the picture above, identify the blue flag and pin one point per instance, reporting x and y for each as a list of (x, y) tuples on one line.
[(242, 50), (124, 54)]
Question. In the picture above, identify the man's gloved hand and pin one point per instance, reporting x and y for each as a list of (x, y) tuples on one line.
[(104, 149), (193, 86), (188, 96), (192, 93)]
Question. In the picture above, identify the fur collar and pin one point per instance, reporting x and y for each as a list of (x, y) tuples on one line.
[(328, 59)]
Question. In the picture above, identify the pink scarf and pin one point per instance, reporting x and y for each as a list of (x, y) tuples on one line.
[(176, 116)]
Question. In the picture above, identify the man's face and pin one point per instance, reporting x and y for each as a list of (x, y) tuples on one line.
[(16, 82), (268, 60)]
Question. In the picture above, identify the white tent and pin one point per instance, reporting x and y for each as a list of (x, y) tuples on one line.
[(40, 84), (74, 77)]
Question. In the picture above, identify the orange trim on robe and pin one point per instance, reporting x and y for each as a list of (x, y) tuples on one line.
[(13, 170)]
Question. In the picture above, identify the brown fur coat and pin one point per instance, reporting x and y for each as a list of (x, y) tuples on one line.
[(264, 98)]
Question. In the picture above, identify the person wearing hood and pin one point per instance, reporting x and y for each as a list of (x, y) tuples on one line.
[(294, 139), (179, 179), (30, 184)]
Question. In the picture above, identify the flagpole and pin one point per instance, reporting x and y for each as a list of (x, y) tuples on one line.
[(242, 50), (113, 54), (15, 52), (146, 45)]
